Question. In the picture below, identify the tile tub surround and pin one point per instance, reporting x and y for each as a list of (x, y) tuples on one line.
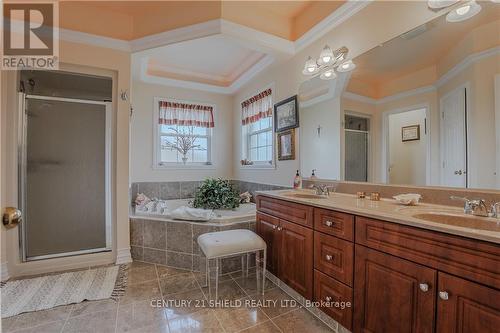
[(175, 243), (430, 194), (186, 189)]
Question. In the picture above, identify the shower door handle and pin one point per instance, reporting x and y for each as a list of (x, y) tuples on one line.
[(11, 217)]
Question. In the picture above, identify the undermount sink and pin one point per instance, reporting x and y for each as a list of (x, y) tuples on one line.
[(465, 221), (305, 196)]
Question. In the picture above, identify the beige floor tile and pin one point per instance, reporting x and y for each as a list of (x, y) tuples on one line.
[(228, 290), (239, 274), (53, 327), (249, 284), (178, 283), (199, 322), (184, 303), (275, 302), (138, 275), (140, 264), (234, 319), (8, 323), (299, 321), (154, 328), (266, 327), (37, 318), (139, 315), (93, 306), (165, 271), (141, 291), (200, 277), (97, 322)]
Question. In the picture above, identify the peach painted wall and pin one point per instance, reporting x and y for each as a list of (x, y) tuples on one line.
[(86, 59)]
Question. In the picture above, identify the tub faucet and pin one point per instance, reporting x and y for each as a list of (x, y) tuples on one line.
[(476, 207)]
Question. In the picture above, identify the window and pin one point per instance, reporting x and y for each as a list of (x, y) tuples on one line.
[(257, 130), (184, 134), (260, 141)]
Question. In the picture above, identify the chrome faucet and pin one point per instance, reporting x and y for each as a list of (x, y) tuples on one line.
[(322, 189), (495, 210), (476, 207)]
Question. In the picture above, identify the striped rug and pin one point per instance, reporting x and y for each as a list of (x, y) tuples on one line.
[(49, 291)]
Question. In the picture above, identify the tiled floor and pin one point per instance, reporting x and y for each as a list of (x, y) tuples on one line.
[(148, 282)]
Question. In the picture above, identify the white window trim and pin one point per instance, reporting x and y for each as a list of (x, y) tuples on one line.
[(157, 165), (244, 136)]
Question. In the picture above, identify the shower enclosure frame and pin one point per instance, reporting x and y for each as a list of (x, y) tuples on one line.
[(22, 175)]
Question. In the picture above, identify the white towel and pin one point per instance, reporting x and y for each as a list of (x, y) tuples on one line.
[(192, 214)]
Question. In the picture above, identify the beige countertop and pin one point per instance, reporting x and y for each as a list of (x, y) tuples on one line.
[(456, 222)]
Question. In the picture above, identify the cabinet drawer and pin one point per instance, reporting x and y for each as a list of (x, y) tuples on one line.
[(337, 296), (334, 223), (289, 211), (334, 257), (471, 259)]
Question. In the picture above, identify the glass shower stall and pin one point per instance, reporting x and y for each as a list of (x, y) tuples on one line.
[(64, 164)]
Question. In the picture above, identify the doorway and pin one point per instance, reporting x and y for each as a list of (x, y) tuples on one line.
[(356, 148), (407, 146), (454, 141)]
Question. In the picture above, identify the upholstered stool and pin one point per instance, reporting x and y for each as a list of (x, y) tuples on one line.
[(230, 243)]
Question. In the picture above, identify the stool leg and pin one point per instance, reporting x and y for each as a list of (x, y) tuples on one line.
[(243, 265), (207, 272), (248, 264), (217, 279), (257, 268), (264, 271), (208, 279)]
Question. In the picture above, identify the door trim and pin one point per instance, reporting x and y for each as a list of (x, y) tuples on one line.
[(465, 86), (385, 141), (497, 127), (22, 165)]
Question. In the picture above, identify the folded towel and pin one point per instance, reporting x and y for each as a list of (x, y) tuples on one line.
[(192, 214)]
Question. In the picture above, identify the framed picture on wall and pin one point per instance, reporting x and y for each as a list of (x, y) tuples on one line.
[(410, 133), (286, 114), (286, 145)]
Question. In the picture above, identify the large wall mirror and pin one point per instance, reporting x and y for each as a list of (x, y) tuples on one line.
[(420, 109)]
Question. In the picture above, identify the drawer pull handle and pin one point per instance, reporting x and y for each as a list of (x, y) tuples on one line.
[(328, 223), (274, 227), (443, 295), (280, 228), (328, 299), (328, 257), (424, 287)]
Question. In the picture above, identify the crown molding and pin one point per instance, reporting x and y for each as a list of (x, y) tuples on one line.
[(340, 15), (194, 31), (95, 40), (231, 89)]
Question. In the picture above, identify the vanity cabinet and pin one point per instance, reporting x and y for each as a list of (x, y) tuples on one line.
[(398, 278), (392, 294)]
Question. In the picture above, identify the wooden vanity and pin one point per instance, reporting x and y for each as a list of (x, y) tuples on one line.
[(399, 278)]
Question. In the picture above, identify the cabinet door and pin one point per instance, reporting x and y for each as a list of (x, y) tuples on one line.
[(392, 294), (296, 258), (466, 307), (267, 228)]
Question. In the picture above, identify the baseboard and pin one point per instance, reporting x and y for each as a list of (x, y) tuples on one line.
[(123, 256), (4, 271)]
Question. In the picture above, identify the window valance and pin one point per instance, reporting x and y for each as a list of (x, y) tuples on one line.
[(173, 113), (257, 107)]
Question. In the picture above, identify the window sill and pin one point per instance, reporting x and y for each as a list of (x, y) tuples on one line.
[(184, 167), (258, 166)]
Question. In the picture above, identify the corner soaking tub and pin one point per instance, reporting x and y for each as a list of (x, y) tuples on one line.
[(162, 240)]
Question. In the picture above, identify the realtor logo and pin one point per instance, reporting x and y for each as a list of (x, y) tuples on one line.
[(30, 35)]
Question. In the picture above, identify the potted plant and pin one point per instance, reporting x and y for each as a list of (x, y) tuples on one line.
[(216, 194)]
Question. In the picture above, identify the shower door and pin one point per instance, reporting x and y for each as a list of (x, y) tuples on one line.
[(64, 177)]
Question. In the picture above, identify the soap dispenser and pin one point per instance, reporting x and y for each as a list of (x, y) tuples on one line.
[(297, 181), (313, 175)]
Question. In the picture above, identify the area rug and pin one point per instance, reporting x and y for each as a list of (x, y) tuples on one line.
[(49, 291)]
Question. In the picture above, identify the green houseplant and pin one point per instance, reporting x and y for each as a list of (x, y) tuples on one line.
[(216, 194)]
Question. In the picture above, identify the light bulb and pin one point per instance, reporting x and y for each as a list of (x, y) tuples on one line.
[(310, 66), (346, 66), (326, 55), (463, 10)]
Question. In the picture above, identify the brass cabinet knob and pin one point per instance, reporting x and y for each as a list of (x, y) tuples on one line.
[(11, 217)]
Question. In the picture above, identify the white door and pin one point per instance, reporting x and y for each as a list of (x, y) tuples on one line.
[(454, 139)]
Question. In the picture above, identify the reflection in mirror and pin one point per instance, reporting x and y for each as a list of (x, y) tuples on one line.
[(420, 109)]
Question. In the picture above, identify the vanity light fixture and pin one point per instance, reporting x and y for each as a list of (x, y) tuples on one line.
[(327, 63), (464, 12)]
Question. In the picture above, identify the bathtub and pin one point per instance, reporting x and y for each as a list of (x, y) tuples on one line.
[(244, 213), (161, 240)]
